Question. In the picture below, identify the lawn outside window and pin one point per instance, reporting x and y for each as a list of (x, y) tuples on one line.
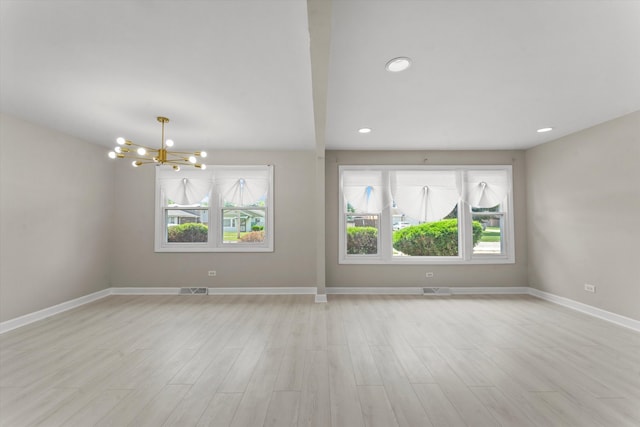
[(220, 209), (426, 215)]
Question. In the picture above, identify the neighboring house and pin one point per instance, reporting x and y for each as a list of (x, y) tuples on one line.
[(245, 219), (176, 217)]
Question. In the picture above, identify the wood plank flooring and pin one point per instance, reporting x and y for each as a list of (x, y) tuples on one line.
[(286, 361)]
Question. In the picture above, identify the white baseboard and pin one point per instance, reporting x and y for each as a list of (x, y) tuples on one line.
[(17, 322), (218, 291), (387, 290), (617, 319), (587, 309), (492, 290), (375, 290), (264, 291), (144, 291)]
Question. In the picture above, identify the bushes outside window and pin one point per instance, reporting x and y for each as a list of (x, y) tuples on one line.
[(362, 240), (188, 233)]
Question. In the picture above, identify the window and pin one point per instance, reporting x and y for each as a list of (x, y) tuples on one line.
[(220, 209), (434, 214)]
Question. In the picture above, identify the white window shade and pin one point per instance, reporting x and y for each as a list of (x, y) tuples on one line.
[(242, 187), (185, 188), (486, 188), (425, 196), (363, 190)]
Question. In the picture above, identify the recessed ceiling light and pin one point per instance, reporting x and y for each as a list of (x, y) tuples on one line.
[(398, 64), (542, 130), (364, 130)]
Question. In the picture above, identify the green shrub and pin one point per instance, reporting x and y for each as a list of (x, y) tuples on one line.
[(189, 232), (362, 240), (254, 236), (257, 228), (438, 238), (477, 231)]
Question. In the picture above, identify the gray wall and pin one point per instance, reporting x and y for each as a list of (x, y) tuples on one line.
[(414, 275), (66, 233), (56, 194), (291, 264), (583, 198)]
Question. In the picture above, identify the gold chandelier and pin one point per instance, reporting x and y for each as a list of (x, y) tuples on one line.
[(160, 156)]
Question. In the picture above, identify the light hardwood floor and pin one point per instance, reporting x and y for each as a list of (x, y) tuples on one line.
[(286, 361)]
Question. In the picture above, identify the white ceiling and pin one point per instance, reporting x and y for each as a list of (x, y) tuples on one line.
[(237, 74)]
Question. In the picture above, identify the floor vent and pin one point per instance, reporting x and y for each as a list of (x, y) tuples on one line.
[(436, 291), (194, 291)]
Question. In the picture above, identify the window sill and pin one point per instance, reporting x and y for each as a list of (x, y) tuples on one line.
[(430, 261), (230, 249)]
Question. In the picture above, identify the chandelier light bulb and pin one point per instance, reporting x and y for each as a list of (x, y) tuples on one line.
[(142, 151), (169, 142), (112, 154), (203, 167), (203, 154), (118, 150), (193, 159), (121, 141), (135, 163)]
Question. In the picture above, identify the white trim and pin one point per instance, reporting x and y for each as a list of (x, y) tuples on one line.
[(145, 291), (494, 290), (378, 290), (264, 291), (321, 298), (18, 322), (587, 309)]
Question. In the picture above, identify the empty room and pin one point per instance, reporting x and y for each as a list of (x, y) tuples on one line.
[(319, 213)]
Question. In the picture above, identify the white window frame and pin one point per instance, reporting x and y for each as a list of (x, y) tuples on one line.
[(215, 237), (465, 237)]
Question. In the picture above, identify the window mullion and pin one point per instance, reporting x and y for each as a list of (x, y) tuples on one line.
[(464, 221), (213, 219), (386, 232)]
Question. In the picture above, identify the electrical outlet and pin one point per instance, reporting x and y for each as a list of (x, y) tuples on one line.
[(212, 272), (429, 274), (589, 288)]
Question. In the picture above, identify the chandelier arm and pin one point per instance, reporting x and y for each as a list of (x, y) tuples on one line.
[(179, 158), (142, 146), (180, 163), (182, 152), (124, 156)]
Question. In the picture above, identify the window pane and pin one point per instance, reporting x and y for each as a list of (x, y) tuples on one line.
[(362, 234), (495, 208), (186, 225), (243, 225), (487, 233), (434, 238), (202, 203)]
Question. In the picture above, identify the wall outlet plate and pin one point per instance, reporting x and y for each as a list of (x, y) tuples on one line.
[(589, 288), (212, 272)]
